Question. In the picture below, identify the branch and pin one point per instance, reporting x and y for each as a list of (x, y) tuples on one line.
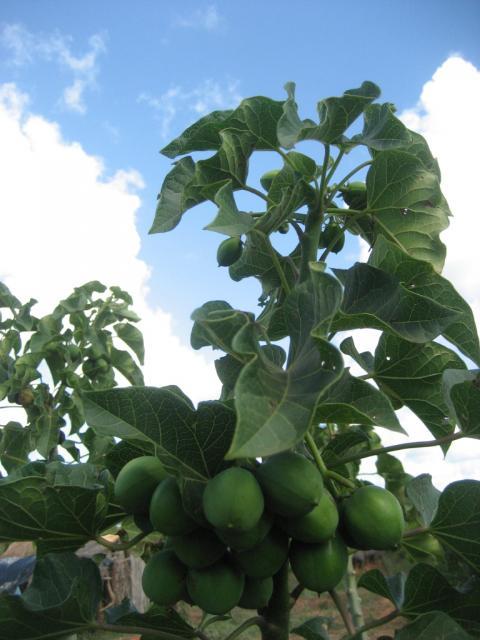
[(255, 191), (375, 623), (342, 610), (278, 266), (399, 447), (326, 473), (258, 621), (415, 532)]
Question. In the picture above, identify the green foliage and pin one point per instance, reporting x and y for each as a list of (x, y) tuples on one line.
[(291, 414)]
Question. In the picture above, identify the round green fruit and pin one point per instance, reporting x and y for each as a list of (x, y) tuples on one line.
[(292, 485), (355, 195), (166, 510), (319, 567), (283, 228), (266, 558), (316, 526), (268, 177), (229, 251), (373, 518), (198, 549), (216, 589), (137, 481), (244, 540), (424, 545), (332, 233), (256, 593), (163, 578), (233, 500)]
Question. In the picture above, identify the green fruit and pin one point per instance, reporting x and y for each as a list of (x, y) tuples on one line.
[(136, 483), (166, 510), (256, 593), (283, 228), (216, 589), (266, 558), (319, 567), (424, 545), (244, 540), (229, 251), (163, 578), (198, 549), (373, 518), (355, 195), (142, 521), (316, 526), (268, 177), (328, 235), (233, 500), (292, 485)]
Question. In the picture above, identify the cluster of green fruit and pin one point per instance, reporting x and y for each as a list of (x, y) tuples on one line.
[(253, 521)]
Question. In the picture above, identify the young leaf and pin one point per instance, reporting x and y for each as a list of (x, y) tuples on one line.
[(461, 390), (424, 497), (382, 129), (229, 220), (457, 521)]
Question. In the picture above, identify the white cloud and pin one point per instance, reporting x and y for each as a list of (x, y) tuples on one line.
[(206, 18), (65, 222), (208, 96), (447, 115), (25, 47)]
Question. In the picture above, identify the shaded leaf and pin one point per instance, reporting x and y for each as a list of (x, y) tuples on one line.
[(375, 299), (229, 220), (390, 587), (156, 618), (14, 445), (124, 362), (133, 338), (424, 497), (457, 521), (171, 204), (382, 129), (413, 373), (313, 629), (435, 625), (461, 391), (190, 443), (353, 401)]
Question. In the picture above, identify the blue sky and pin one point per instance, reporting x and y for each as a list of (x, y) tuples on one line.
[(93, 90)]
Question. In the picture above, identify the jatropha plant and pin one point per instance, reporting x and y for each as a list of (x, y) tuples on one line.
[(248, 500)]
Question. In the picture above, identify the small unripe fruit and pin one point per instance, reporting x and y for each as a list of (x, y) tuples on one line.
[(164, 578), (136, 483), (229, 251)]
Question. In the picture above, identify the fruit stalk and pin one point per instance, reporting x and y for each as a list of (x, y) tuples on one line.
[(277, 613)]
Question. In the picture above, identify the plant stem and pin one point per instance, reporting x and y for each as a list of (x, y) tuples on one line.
[(258, 621), (347, 178), (122, 546), (255, 191), (375, 623), (326, 473), (277, 613), (354, 600), (335, 165), (399, 447), (342, 609), (295, 594), (415, 532), (278, 266)]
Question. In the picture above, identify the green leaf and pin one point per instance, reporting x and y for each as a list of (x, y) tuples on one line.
[(203, 135), (354, 401), (461, 390), (335, 116), (347, 442), (45, 432), (133, 338), (59, 506), (457, 521), (428, 590), (63, 597), (313, 629), (420, 276), (171, 203), (413, 373), (375, 299), (215, 324), (424, 497), (123, 362), (229, 220), (156, 618), (406, 205), (364, 359), (392, 471), (7, 299), (390, 587), (382, 129), (14, 445), (190, 443), (435, 625), (275, 405)]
